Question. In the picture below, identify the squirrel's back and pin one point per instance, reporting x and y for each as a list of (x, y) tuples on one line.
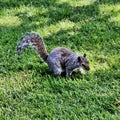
[(36, 41), (61, 51)]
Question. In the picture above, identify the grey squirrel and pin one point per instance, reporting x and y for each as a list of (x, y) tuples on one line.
[(59, 60)]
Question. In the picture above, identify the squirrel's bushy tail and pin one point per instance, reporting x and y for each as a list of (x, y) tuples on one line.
[(36, 41)]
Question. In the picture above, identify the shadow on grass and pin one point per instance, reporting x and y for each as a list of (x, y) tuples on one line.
[(63, 11)]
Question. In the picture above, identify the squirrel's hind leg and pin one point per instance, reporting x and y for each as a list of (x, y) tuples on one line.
[(56, 69), (55, 66)]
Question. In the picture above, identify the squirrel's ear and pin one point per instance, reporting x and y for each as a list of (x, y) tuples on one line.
[(79, 59), (84, 55)]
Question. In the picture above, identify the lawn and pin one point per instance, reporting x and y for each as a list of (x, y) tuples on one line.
[(28, 91)]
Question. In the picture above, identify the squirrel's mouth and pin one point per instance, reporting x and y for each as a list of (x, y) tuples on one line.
[(86, 67)]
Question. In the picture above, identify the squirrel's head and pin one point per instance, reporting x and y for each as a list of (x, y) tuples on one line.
[(84, 63)]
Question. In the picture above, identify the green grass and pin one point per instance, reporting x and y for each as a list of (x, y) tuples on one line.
[(28, 91)]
